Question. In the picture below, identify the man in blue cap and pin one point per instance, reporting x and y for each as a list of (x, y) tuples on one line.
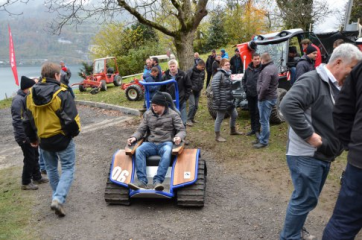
[(224, 54)]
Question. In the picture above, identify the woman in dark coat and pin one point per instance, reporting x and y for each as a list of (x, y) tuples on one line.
[(223, 100)]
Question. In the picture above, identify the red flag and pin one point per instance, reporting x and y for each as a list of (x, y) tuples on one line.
[(12, 57)]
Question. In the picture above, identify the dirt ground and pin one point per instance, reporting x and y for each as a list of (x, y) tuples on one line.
[(240, 203)]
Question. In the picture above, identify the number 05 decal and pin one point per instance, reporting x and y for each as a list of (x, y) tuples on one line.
[(119, 175)]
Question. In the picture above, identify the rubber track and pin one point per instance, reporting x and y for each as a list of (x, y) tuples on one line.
[(116, 195), (194, 195)]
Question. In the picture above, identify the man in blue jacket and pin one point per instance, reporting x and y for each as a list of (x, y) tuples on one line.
[(313, 143), (31, 170)]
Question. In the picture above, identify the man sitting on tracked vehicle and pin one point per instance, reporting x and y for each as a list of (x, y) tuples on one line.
[(163, 126)]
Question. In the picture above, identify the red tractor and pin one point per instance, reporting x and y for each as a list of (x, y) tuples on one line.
[(134, 89), (105, 70)]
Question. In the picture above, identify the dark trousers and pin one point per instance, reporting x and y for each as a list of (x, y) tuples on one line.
[(254, 113), (209, 75), (346, 220), (31, 169)]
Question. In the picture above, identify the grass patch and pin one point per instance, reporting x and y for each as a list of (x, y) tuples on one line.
[(15, 207), (6, 103)]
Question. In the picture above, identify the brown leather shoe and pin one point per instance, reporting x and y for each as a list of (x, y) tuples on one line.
[(58, 208)]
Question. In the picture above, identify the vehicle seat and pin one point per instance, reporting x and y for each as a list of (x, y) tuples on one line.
[(170, 102), (153, 161)]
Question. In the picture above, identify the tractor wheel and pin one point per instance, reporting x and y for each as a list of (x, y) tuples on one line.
[(103, 85), (117, 80), (116, 194), (276, 116), (82, 88), (194, 195), (212, 112), (134, 93)]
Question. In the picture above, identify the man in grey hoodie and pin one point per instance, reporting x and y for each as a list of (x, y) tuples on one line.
[(267, 86), (313, 143)]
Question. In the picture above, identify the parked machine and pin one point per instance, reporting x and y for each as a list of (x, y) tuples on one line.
[(185, 179), (277, 45), (105, 71), (134, 90)]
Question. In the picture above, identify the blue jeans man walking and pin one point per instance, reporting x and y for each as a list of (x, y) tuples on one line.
[(265, 108)]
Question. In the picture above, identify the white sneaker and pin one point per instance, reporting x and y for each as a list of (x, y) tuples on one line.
[(307, 236)]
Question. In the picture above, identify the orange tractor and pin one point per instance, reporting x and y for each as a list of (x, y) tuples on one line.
[(105, 70)]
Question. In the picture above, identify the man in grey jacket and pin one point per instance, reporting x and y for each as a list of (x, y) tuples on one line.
[(267, 86), (313, 143), (162, 123)]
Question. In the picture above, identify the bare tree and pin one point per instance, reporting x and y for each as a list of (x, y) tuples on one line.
[(303, 13), (178, 19)]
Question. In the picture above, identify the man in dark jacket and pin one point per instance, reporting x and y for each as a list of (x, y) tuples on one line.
[(267, 86), (184, 86), (306, 63), (249, 82), (197, 78), (155, 64), (346, 220), (236, 63), (52, 121), (196, 58), (66, 74), (313, 143), (216, 64), (165, 127), (210, 60), (31, 169)]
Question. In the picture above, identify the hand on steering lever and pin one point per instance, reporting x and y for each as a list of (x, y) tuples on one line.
[(131, 140)]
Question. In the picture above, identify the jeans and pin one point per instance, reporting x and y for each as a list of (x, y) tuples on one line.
[(31, 165), (60, 186), (220, 116), (183, 112), (193, 104), (293, 75), (346, 220), (41, 160), (265, 108), (254, 113), (308, 176), (148, 149)]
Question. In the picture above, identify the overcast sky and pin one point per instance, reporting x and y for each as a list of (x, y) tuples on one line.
[(331, 23)]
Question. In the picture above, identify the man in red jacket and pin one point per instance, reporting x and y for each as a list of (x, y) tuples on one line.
[(305, 43)]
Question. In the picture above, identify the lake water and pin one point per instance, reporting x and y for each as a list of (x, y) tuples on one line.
[(7, 82)]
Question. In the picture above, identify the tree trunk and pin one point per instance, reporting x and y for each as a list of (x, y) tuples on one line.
[(185, 49)]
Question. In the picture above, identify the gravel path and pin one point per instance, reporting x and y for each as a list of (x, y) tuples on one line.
[(235, 207)]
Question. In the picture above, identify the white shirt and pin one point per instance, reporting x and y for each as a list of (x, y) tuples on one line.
[(332, 78)]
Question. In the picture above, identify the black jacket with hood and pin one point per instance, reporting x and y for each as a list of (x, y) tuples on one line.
[(305, 64), (17, 113), (197, 78), (347, 116), (250, 80)]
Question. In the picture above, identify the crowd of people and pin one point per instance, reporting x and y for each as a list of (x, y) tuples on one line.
[(322, 108)]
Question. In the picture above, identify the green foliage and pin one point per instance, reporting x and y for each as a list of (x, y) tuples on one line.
[(87, 69), (131, 46), (356, 10), (217, 35)]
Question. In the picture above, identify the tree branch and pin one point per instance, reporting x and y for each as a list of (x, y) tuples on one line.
[(180, 15), (143, 20)]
